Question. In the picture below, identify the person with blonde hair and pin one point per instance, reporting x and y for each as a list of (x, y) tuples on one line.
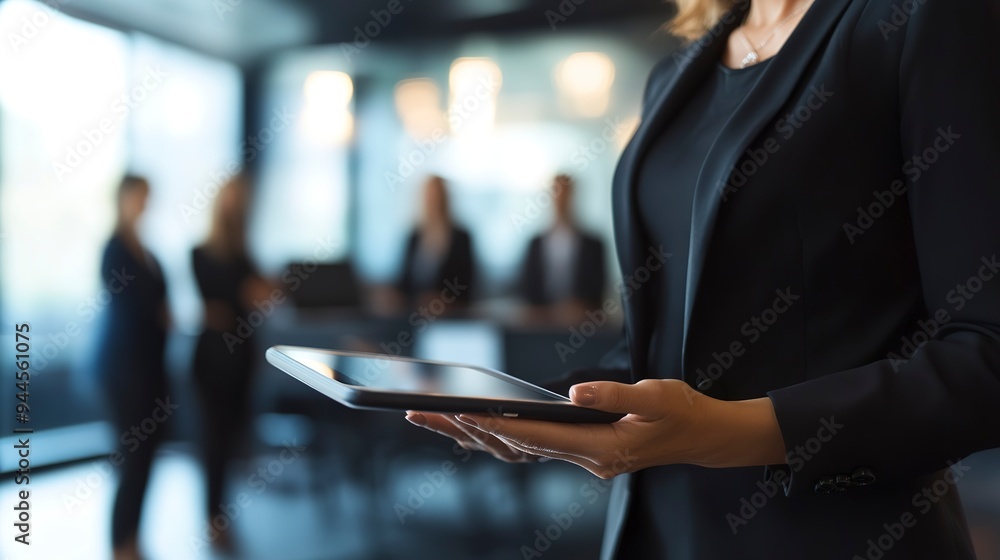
[(438, 263), (820, 348), (229, 285)]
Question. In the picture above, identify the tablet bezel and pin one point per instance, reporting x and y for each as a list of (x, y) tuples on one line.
[(360, 397)]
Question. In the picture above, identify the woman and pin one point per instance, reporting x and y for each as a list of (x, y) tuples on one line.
[(438, 262), (130, 353), (229, 285), (826, 334)]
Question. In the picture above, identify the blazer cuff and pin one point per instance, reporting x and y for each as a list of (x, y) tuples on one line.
[(814, 458), (779, 477)]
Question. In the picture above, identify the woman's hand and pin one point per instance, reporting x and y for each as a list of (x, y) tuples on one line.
[(666, 422), (469, 437)]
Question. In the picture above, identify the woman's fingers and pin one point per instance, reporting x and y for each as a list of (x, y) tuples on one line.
[(581, 462), (440, 424), (493, 445), (505, 449), (646, 398), (546, 438), (467, 437), (500, 445)]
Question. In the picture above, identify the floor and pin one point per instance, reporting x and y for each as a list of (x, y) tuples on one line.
[(285, 514)]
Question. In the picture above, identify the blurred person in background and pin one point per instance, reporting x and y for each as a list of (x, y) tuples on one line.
[(438, 262), (230, 286), (563, 272), (130, 357)]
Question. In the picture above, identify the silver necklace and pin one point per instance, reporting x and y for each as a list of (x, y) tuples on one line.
[(752, 56)]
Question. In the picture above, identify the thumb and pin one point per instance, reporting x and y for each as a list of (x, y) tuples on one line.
[(643, 398)]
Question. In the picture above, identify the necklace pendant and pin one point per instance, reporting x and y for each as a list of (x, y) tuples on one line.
[(751, 58)]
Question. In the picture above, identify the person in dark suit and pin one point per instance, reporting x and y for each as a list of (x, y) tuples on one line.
[(806, 372), (223, 361), (438, 262), (130, 358), (563, 272)]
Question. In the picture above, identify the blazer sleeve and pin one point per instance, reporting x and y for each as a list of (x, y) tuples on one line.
[(910, 417)]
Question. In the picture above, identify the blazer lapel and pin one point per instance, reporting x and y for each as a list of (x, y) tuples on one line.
[(692, 65), (777, 83)]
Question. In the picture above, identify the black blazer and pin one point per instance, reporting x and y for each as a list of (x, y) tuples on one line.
[(132, 336), (588, 272), (859, 176), (456, 273)]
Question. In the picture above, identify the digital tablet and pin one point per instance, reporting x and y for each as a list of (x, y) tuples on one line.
[(382, 381)]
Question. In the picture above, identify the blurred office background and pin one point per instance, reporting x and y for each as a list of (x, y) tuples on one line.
[(341, 110)]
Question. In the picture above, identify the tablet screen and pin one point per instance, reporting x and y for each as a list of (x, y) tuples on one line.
[(415, 376)]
